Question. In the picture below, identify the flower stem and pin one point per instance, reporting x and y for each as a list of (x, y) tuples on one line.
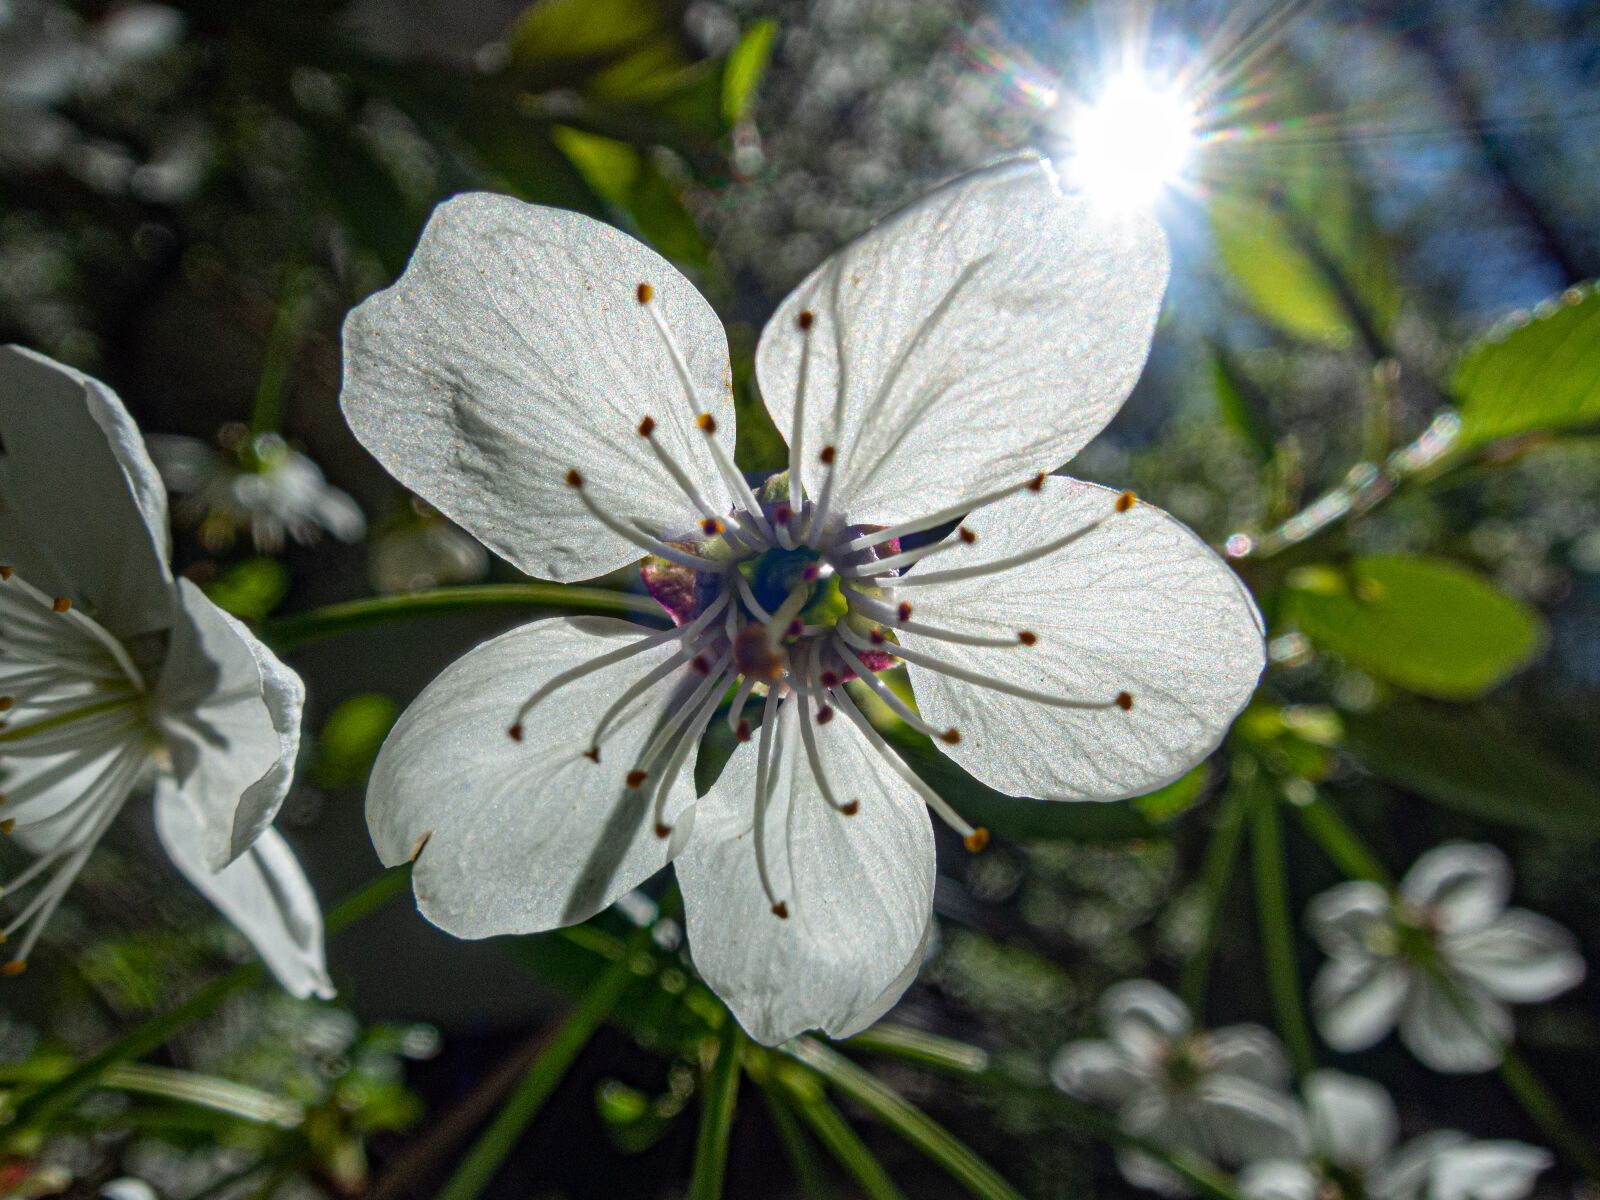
[(804, 1092), (808, 1174), (1545, 1110), (483, 1161), (719, 1099), (910, 1122), (1277, 929), (287, 633), (1341, 843), (1215, 873)]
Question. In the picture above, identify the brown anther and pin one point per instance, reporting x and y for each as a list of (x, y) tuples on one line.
[(806, 319), (637, 777), (647, 427), (1027, 637), (1124, 701), (966, 535), (6, 572), (782, 514), (743, 732), (646, 293), (850, 808), (62, 603), (828, 455), (663, 831), (824, 714), (1126, 501), (876, 637), (951, 736), (516, 732), (1036, 484), (699, 665), (592, 754), (7, 825), (977, 839), (5, 703), (830, 679), (904, 611), (574, 479), (795, 629), (712, 527), (707, 423), (781, 911), (15, 967)]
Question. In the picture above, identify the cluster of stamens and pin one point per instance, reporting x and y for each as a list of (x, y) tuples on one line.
[(72, 694), (792, 605)]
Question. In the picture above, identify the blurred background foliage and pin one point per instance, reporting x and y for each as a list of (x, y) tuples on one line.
[(1377, 383)]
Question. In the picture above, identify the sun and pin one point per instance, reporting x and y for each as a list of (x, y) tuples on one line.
[(1129, 144)]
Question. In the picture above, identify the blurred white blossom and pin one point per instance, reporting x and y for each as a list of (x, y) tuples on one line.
[(422, 549), (1441, 958)]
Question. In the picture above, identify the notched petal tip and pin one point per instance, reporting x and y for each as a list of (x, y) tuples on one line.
[(419, 846)]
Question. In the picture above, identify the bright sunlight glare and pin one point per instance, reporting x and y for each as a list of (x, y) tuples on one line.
[(1131, 142)]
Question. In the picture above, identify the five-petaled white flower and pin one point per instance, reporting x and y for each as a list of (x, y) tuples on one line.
[(563, 393), (114, 676), (1219, 1094), (1352, 1154), (1442, 957)]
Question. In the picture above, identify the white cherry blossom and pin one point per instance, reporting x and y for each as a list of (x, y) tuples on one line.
[(1219, 1094), (1442, 958), (561, 392), (115, 678), (1354, 1152)]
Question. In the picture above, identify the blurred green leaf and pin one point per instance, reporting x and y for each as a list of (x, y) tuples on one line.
[(1540, 373), (1426, 625), (630, 181), (250, 590), (351, 737), (557, 30), (744, 68), (1176, 798), (1458, 760), (1243, 407)]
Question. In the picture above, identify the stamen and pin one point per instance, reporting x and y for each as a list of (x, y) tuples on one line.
[(736, 709), (743, 497), (691, 737), (932, 520), (797, 456), (884, 692), (995, 566), (900, 618), (809, 737), (647, 430), (820, 513), (748, 595), (683, 713), (769, 721), (645, 541), (976, 677)]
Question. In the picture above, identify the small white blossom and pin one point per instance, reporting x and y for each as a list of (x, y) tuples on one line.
[(115, 677), (423, 550), (1441, 959), (255, 484), (562, 393), (1219, 1094), (1353, 1153)]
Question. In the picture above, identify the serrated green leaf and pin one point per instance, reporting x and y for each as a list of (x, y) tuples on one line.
[(1541, 372), (1427, 625), (1459, 761), (744, 68)]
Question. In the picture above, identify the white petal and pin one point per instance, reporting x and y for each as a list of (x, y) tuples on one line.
[(1408, 1175), (514, 349), (995, 325), (1143, 1018), (1522, 957), (231, 713), (1278, 1179), (1100, 1071), (1250, 1052), (859, 889), (95, 530), (1497, 1170), (1139, 605), (1456, 1034), (1353, 1121), (264, 893), (1357, 1000), (1244, 1121), (530, 835), (1462, 886), (1349, 919)]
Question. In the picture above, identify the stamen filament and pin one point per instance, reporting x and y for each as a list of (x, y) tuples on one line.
[(770, 718), (647, 429), (887, 694), (1002, 564), (691, 737), (922, 524), (906, 558), (645, 541), (820, 513), (886, 614), (744, 498), (676, 719)]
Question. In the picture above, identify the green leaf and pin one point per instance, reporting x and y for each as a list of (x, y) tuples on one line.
[(1243, 407), (1426, 625), (631, 182), (562, 30), (350, 738), (1457, 760), (744, 68), (1176, 798), (250, 590), (1541, 372)]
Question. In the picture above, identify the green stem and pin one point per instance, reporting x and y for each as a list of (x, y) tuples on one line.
[(169, 1083), (1341, 843), (1215, 873), (1277, 926), (1541, 1104), (718, 1101), (910, 1122), (834, 1132), (38, 1108), (808, 1175), (547, 1070), (287, 633), (266, 415)]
